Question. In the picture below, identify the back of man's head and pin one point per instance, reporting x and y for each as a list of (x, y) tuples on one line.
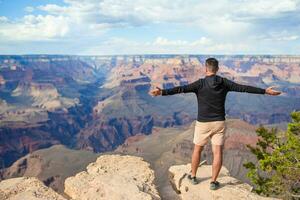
[(212, 65)]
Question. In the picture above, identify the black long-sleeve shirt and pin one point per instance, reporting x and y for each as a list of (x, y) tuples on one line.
[(211, 94)]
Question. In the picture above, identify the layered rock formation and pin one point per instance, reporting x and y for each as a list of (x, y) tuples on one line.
[(230, 188)]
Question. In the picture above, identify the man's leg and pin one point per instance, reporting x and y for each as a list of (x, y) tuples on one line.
[(196, 158), (217, 161)]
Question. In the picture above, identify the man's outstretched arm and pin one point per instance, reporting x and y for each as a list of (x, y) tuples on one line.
[(192, 87), (232, 86)]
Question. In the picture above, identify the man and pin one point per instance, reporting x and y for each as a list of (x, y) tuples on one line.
[(211, 94)]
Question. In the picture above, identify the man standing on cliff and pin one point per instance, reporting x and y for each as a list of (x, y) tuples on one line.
[(211, 94)]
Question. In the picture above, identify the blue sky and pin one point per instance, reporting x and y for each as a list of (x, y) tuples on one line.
[(106, 27)]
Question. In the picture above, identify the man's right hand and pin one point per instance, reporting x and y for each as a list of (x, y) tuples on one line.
[(270, 91), (156, 92)]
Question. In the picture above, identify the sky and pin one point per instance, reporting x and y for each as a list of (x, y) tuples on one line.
[(110, 27)]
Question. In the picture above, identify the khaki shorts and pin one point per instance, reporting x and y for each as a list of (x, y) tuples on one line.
[(214, 130)]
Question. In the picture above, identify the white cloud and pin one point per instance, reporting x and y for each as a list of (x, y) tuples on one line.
[(162, 45), (165, 42), (53, 9), (161, 41), (283, 36), (264, 8), (3, 19), (32, 27), (289, 38), (121, 41)]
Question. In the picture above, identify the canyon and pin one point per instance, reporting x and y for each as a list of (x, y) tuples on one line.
[(95, 103)]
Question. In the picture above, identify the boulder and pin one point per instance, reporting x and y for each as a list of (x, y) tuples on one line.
[(26, 188), (114, 177)]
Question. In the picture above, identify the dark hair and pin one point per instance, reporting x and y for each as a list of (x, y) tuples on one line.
[(212, 64)]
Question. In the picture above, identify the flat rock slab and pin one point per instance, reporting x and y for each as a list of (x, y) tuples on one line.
[(26, 188), (230, 188), (114, 177)]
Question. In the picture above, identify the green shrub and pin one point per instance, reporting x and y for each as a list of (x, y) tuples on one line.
[(277, 172)]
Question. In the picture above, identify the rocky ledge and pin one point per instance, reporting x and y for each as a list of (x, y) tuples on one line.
[(114, 177), (111, 177), (29, 188), (123, 177), (230, 188)]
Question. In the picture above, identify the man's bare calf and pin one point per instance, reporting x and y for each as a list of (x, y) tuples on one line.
[(217, 161), (196, 156)]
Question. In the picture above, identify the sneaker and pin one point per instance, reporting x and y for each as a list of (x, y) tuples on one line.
[(193, 179), (214, 185)]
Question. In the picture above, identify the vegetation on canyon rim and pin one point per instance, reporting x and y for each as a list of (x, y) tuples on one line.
[(277, 171)]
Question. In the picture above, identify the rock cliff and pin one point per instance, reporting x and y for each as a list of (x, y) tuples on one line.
[(117, 177), (230, 189), (29, 188), (114, 177)]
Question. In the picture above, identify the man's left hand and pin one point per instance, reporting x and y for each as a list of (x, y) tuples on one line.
[(271, 91)]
